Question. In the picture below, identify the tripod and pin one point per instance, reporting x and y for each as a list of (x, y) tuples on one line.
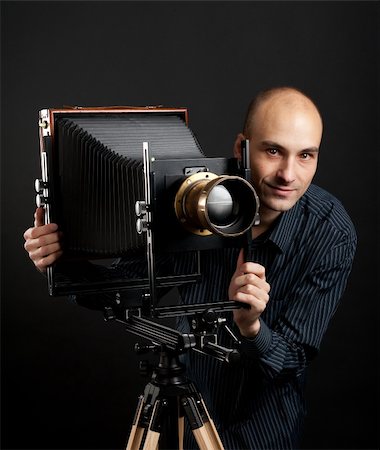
[(168, 399)]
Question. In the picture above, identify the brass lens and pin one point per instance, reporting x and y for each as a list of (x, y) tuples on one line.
[(225, 205)]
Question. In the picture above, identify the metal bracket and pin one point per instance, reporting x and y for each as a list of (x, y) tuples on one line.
[(44, 122)]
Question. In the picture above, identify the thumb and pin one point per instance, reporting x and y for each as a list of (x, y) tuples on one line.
[(39, 217), (240, 259)]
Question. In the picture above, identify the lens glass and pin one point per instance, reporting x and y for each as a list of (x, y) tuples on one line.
[(220, 206)]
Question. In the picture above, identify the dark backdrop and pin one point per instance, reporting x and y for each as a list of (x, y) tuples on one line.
[(69, 379)]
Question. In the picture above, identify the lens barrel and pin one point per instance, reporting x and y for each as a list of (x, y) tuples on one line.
[(225, 205)]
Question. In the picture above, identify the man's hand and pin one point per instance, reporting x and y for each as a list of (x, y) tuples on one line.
[(248, 285), (42, 242)]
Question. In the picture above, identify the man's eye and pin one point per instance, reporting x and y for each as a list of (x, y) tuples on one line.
[(272, 151), (305, 156)]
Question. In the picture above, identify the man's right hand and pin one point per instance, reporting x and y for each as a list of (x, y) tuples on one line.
[(43, 242), (248, 285)]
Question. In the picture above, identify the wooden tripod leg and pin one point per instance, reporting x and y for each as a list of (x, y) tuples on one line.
[(165, 412), (202, 426), (151, 441), (152, 437), (181, 431), (205, 440), (137, 432), (211, 429)]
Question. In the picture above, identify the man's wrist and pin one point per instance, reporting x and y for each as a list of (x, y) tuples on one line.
[(259, 344), (252, 331)]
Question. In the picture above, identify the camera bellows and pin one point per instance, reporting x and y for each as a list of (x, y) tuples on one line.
[(101, 175)]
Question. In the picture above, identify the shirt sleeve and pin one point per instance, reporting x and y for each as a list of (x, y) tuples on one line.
[(294, 339)]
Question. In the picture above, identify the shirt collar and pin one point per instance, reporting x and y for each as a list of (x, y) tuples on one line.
[(286, 226)]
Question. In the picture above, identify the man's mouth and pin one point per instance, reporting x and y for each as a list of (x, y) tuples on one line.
[(281, 190)]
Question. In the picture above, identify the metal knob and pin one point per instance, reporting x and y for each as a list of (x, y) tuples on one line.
[(41, 201), (43, 123), (40, 185), (141, 225), (140, 208)]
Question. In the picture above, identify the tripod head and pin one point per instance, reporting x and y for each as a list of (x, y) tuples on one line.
[(203, 338)]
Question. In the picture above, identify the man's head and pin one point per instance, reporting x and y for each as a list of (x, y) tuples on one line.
[(284, 128)]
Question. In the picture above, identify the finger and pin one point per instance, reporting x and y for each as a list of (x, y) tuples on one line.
[(246, 267), (39, 217), (27, 234), (255, 268), (257, 306), (248, 278), (240, 259), (36, 232), (256, 280), (46, 239), (239, 262), (255, 292), (43, 263), (43, 252)]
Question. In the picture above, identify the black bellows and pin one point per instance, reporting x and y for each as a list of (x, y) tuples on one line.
[(101, 175)]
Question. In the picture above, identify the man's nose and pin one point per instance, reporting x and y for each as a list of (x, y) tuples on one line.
[(286, 171)]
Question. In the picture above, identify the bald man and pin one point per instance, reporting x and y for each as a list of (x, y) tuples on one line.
[(297, 269), (284, 129)]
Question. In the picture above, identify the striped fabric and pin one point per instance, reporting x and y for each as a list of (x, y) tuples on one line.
[(258, 403)]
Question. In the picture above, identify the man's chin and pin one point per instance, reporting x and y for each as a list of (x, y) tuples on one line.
[(279, 205)]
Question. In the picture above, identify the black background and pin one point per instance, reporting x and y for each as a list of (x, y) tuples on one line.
[(69, 380)]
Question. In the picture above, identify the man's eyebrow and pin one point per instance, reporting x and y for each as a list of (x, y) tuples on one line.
[(271, 144), (311, 150), (281, 147)]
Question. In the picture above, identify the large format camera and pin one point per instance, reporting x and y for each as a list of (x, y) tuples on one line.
[(119, 179), (126, 182)]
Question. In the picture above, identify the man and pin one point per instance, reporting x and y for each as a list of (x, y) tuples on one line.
[(298, 266)]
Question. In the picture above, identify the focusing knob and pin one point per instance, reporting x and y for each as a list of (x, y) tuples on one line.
[(209, 317), (40, 185), (140, 208), (141, 225), (41, 201)]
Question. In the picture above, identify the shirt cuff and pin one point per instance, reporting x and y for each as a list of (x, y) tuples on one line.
[(258, 345)]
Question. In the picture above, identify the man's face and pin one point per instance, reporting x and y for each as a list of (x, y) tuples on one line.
[(284, 143)]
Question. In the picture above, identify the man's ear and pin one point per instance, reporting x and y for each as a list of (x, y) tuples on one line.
[(237, 146)]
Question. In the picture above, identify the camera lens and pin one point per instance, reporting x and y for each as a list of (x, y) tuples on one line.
[(220, 206), (209, 204)]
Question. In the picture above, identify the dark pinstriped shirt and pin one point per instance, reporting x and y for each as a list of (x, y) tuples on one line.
[(258, 403)]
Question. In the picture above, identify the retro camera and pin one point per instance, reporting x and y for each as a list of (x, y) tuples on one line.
[(119, 179)]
